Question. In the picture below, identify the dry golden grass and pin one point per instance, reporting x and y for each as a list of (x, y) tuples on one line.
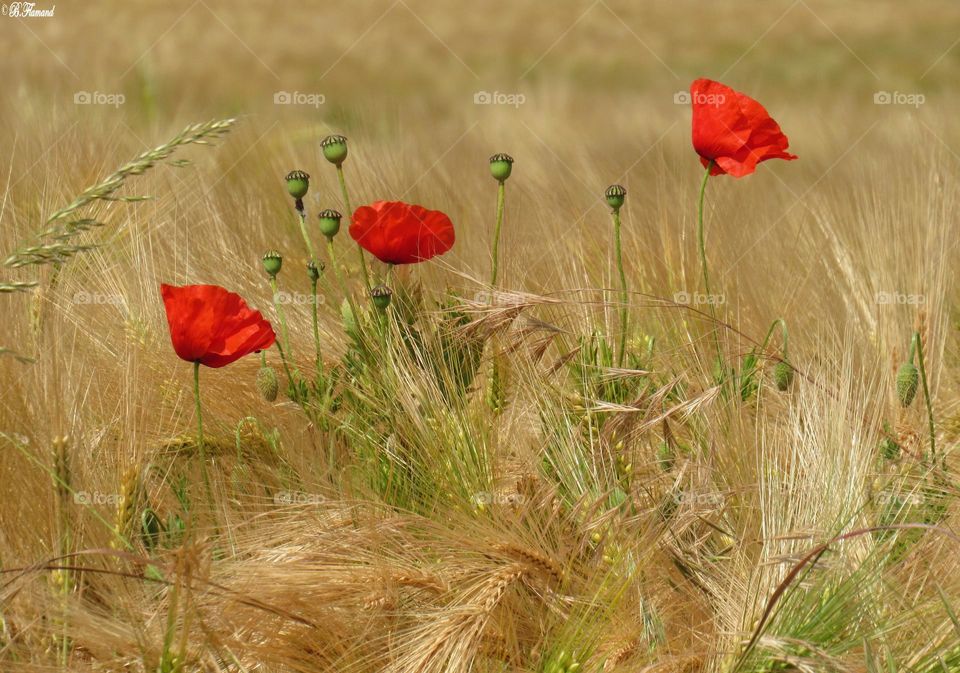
[(502, 545)]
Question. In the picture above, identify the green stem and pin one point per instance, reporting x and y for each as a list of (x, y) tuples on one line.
[(783, 331), (316, 325), (279, 309), (283, 361), (501, 197), (918, 346), (306, 237), (349, 214), (201, 445), (336, 268), (703, 258), (624, 315)]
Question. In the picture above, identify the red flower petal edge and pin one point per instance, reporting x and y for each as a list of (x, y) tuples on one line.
[(733, 130), (213, 326), (401, 233)]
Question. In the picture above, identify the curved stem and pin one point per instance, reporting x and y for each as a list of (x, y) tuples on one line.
[(624, 315), (501, 197), (349, 214), (918, 346), (783, 330)]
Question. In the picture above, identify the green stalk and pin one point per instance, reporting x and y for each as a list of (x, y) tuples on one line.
[(624, 315), (783, 330), (501, 197), (917, 346), (349, 214), (703, 259), (201, 447), (316, 325), (277, 307), (336, 268), (306, 237)]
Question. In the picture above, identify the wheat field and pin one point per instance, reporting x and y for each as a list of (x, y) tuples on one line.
[(480, 478)]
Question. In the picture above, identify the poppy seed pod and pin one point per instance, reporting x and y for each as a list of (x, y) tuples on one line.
[(782, 375), (334, 149), (272, 262), (298, 183), (615, 196), (908, 377), (381, 296), (314, 269), (501, 165), (267, 383), (329, 222)]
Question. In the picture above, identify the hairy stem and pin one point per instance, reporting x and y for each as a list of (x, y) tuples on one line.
[(501, 196), (918, 345), (624, 314), (701, 244), (201, 446), (349, 214)]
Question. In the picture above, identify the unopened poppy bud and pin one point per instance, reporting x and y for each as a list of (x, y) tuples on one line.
[(615, 196), (334, 149), (314, 269), (381, 296), (298, 183), (782, 375), (501, 165), (329, 223), (267, 383), (272, 261), (908, 377)]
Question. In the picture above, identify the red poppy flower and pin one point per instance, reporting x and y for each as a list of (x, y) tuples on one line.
[(401, 233), (733, 130), (212, 326)]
